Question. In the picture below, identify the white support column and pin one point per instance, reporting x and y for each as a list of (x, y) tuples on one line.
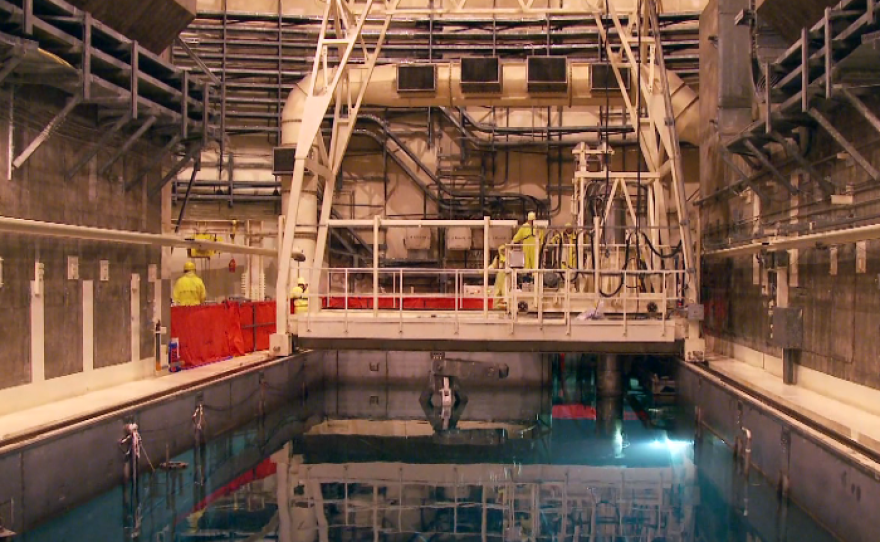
[(135, 317), (376, 265), (88, 322), (486, 251), (38, 326)]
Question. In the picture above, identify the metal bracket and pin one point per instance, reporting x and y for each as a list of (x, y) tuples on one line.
[(96, 148), (128, 144), (770, 167), (175, 169), (847, 146), (47, 131)]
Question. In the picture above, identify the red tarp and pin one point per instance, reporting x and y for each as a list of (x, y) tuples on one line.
[(207, 333), (409, 303), (265, 314)]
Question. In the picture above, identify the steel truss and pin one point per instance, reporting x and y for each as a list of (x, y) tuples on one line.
[(345, 21)]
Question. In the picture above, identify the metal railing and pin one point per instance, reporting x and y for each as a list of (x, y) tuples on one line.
[(572, 297)]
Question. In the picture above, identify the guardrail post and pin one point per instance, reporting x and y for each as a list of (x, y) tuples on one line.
[(376, 265), (486, 251)]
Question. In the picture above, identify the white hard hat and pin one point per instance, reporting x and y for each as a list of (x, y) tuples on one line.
[(532, 215)]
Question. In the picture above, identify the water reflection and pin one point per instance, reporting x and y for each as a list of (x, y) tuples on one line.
[(602, 454)]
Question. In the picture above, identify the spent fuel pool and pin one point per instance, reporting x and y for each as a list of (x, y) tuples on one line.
[(582, 467)]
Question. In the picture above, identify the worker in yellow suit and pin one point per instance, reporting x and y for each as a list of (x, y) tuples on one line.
[(530, 237), (566, 241), (500, 263), (300, 297), (189, 290)]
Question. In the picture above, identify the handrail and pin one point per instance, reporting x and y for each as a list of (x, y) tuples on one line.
[(571, 305)]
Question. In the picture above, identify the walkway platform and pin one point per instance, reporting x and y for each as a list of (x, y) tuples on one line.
[(40, 421), (478, 331)]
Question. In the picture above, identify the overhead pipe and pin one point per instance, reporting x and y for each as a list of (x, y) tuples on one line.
[(86, 233)]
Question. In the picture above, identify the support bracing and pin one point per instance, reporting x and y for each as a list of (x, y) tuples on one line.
[(47, 131), (792, 150), (757, 153), (190, 153), (744, 178), (97, 147), (156, 160), (127, 145), (851, 149)]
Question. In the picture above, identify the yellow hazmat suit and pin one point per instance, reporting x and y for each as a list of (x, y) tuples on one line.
[(189, 290), (500, 262), (568, 254), (300, 299), (530, 238)]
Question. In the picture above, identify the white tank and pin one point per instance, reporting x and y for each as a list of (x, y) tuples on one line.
[(418, 239), (458, 238)]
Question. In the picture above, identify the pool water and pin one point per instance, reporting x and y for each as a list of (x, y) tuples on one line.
[(584, 468)]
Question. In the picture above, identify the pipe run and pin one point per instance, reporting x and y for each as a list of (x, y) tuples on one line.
[(66, 231)]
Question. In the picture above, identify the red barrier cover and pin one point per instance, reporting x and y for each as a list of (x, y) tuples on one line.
[(265, 314), (409, 303), (207, 333)]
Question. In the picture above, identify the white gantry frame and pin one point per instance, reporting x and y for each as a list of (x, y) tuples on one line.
[(341, 29)]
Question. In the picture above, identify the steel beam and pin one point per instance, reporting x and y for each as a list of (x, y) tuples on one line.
[(157, 159), (745, 179), (847, 146), (175, 169), (135, 77), (96, 148), (9, 66), (827, 186), (197, 166), (47, 131), (805, 72), (770, 167), (127, 145), (860, 106), (87, 56), (198, 61)]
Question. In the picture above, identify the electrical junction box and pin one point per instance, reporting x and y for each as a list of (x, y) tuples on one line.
[(787, 328), (696, 312), (72, 268), (104, 271), (417, 238), (516, 258)]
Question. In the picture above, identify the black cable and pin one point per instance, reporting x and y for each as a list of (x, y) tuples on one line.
[(676, 250)]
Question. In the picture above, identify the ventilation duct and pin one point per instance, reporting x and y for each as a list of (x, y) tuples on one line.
[(514, 93)]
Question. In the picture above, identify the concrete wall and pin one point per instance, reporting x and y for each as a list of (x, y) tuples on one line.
[(840, 302), (39, 191)]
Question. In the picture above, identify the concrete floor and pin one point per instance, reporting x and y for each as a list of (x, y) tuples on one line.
[(51, 416)]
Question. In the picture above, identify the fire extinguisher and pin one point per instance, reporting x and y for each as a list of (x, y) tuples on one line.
[(232, 265)]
